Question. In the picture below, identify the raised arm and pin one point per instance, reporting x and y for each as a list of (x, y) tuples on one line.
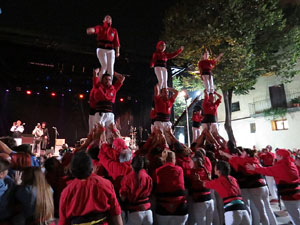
[(156, 90), (119, 77), (174, 92), (219, 96), (219, 57), (90, 30)]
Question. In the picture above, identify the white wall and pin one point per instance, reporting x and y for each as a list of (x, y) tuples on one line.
[(264, 134)]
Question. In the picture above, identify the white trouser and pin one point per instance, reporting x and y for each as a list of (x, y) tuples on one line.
[(203, 212), (196, 133), (140, 218), (237, 217), (272, 187), (18, 141), (92, 122), (107, 60), (218, 208), (171, 220), (162, 76), (208, 83), (293, 209), (212, 127), (260, 198), (106, 120)]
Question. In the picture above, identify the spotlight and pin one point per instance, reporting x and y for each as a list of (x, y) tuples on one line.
[(70, 90), (7, 90), (87, 91), (28, 92), (46, 88), (62, 95), (38, 93), (81, 96), (121, 99), (53, 94)]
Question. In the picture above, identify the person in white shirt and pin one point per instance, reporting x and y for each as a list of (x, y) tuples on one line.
[(17, 129)]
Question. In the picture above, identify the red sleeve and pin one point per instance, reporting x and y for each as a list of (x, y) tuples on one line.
[(217, 103), (63, 210), (213, 61), (173, 54), (153, 61), (234, 162), (118, 84), (268, 171), (208, 165), (115, 208), (97, 29), (124, 188), (213, 184), (114, 168), (172, 99), (116, 39)]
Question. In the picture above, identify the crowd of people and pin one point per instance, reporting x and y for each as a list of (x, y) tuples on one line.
[(164, 182)]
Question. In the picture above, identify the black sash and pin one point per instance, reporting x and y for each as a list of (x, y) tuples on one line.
[(104, 106)]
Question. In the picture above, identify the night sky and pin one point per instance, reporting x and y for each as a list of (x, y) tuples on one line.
[(54, 32)]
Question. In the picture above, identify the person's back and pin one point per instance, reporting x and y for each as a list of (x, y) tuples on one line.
[(88, 198)]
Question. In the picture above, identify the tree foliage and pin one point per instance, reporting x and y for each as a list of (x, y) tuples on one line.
[(255, 36)]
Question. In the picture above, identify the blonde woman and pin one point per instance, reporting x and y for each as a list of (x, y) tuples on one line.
[(35, 197)]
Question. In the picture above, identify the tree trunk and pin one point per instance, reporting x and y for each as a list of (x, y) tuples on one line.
[(227, 102)]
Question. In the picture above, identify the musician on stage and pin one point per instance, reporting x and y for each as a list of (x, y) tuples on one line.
[(45, 137), (17, 129), (37, 137)]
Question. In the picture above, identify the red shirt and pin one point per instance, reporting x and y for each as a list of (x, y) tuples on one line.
[(210, 107), (207, 65), (197, 117), (162, 105), (225, 188), (186, 163), (284, 172), (268, 158), (136, 191), (92, 101), (107, 33), (107, 93), (163, 56), (169, 178), (152, 114), (114, 167), (239, 163), (81, 197)]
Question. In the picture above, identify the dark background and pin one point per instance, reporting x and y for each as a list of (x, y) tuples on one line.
[(44, 44)]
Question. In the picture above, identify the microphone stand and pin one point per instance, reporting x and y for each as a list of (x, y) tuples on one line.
[(56, 134)]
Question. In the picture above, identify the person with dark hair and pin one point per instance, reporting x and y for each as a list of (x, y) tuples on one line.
[(197, 118), (88, 198), (135, 190), (171, 203), (37, 138), (227, 187), (210, 108), (159, 62), (45, 137), (202, 205), (253, 187), (163, 106), (108, 45), (287, 180), (105, 96), (205, 67)]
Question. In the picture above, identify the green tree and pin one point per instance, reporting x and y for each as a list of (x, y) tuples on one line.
[(254, 36)]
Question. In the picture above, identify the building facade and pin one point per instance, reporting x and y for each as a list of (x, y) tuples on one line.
[(268, 115)]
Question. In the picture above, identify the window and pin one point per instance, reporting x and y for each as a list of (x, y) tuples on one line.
[(235, 106), (277, 96), (252, 127), (280, 125)]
